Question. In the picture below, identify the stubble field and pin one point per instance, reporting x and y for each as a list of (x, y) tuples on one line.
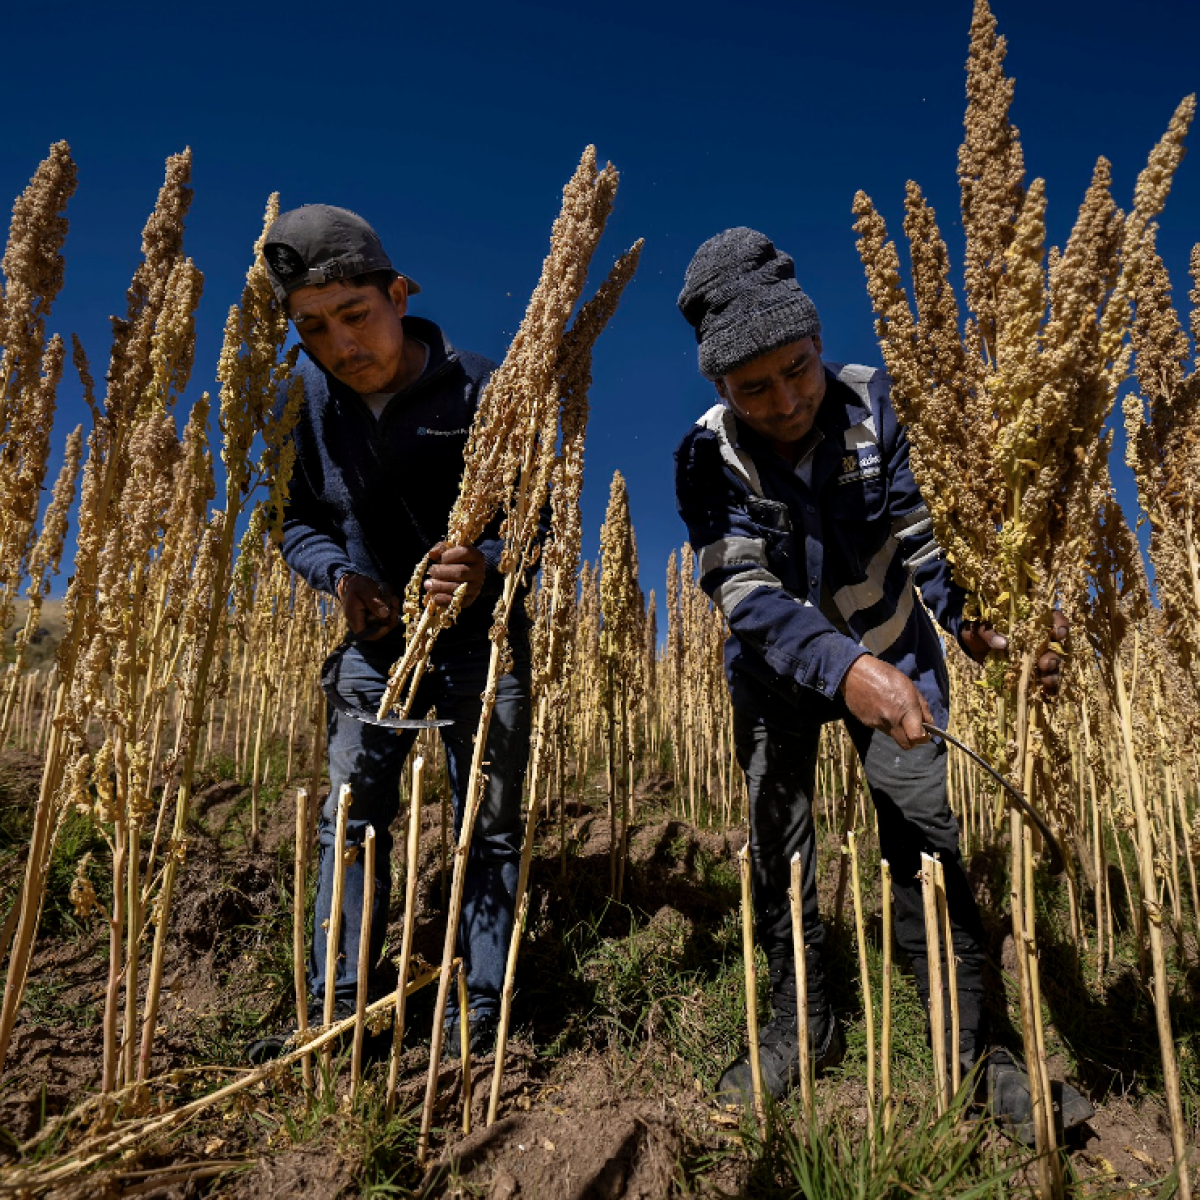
[(624, 1017)]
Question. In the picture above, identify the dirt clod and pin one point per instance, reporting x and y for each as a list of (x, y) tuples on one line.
[(624, 1151), (307, 1171)]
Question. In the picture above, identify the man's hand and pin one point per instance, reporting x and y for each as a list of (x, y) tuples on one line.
[(978, 638), (883, 698), (371, 611), (1049, 664), (451, 566)]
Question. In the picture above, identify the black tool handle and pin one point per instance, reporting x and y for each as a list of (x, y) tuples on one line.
[(1055, 861)]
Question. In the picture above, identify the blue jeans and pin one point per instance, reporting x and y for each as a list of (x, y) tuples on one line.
[(370, 758)]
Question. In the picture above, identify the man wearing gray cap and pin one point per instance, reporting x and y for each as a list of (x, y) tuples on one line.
[(813, 539), (379, 452)]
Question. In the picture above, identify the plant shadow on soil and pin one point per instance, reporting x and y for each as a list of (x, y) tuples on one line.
[(625, 1014)]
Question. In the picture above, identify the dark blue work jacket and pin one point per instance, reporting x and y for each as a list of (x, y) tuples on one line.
[(373, 495), (812, 575)]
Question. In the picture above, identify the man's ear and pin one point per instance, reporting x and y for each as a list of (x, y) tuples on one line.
[(817, 342), (398, 291), (719, 384)]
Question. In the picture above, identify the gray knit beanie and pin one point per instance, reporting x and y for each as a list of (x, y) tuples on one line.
[(741, 296)]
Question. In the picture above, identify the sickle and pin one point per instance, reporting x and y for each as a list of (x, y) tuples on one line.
[(330, 673), (1056, 862)]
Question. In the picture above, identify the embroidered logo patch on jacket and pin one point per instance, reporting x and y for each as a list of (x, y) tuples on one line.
[(865, 464)]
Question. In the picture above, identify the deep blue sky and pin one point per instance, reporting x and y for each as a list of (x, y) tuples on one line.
[(453, 126)]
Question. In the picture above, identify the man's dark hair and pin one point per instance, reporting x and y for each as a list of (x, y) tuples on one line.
[(376, 279)]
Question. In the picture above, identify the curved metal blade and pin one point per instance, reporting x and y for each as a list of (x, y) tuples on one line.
[(1054, 855), (330, 674)]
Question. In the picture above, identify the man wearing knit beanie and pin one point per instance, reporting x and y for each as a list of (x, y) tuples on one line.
[(813, 540)]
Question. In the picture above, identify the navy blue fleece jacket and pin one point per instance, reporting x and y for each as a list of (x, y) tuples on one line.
[(374, 495)]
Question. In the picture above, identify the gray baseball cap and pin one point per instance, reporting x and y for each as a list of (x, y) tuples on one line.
[(318, 243)]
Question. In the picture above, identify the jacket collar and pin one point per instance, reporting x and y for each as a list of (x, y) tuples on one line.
[(850, 405), (844, 407), (841, 409)]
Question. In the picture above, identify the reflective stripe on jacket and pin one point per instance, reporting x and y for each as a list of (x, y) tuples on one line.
[(812, 575)]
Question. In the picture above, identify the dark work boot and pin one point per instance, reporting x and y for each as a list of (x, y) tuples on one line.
[(972, 1032), (1009, 1103), (483, 1030), (779, 1039), (376, 1046), (779, 1055)]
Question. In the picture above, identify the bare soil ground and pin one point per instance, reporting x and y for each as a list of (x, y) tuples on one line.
[(617, 1035)]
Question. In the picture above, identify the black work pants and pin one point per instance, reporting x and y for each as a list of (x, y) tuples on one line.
[(908, 789)]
